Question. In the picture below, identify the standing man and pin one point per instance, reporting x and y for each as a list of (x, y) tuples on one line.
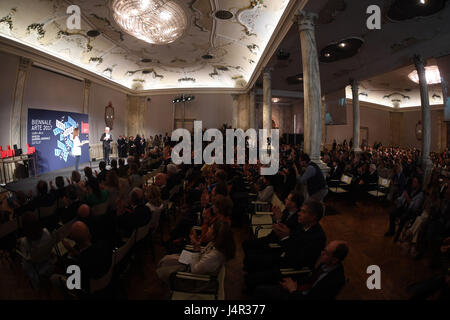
[(313, 179), (106, 138)]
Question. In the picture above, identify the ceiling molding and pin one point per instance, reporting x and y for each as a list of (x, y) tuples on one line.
[(285, 24), (365, 104), (54, 63)]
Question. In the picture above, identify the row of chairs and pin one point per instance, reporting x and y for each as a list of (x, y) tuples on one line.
[(343, 186)]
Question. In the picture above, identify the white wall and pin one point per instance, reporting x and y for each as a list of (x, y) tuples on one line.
[(410, 120), (99, 98), (8, 65), (50, 91), (377, 121), (212, 109)]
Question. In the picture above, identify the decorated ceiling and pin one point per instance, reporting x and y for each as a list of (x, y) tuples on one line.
[(211, 53)]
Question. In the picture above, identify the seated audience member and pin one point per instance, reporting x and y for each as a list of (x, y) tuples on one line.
[(160, 182), (43, 197), (101, 176), (88, 174), (134, 177), (208, 261), (266, 189), (155, 204), (324, 283), (123, 170), (136, 215), (112, 186), (59, 191), (35, 247), (94, 259), (114, 166), (22, 204), (79, 185), (173, 178), (289, 217), (72, 204), (408, 206), (398, 183), (95, 195), (298, 249)]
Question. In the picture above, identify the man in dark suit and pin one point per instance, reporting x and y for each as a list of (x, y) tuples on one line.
[(298, 248), (136, 216), (324, 282), (288, 217), (106, 139)]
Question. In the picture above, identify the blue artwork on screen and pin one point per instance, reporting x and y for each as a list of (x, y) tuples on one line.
[(51, 132)]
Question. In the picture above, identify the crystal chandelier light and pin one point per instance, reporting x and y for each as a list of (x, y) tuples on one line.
[(154, 21)]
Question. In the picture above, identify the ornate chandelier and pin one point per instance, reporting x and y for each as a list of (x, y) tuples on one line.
[(154, 21)]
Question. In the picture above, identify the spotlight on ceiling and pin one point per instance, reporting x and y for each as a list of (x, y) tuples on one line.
[(327, 55), (423, 2), (342, 45), (93, 33), (183, 98), (275, 100)]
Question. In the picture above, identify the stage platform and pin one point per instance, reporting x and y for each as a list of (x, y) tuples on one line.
[(31, 182)]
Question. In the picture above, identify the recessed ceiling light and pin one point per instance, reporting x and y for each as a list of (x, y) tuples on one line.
[(224, 15), (342, 45), (146, 60), (327, 55), (422, 2), (146, 71), (93, 33), (207, 57)]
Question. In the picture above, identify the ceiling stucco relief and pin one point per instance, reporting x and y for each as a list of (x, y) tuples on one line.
[(211, 53)]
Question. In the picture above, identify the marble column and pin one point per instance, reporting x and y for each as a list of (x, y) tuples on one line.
[(252, 110), (267, 99), (234, 110), (426, 118), (311, 87), (18, 131), (356, 117), (86, 95)]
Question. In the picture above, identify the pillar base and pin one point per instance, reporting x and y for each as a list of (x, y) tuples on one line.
[(357, 150)]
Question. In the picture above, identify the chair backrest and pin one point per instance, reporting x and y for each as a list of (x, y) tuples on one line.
[(346, 179), (99, 209), (103, 282), (221, 280), (123, 250), (48, 211), (384, 182), (8, 228)]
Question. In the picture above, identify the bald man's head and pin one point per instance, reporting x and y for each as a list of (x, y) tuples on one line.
[(84, 211), (80, 234), (334, 253)]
